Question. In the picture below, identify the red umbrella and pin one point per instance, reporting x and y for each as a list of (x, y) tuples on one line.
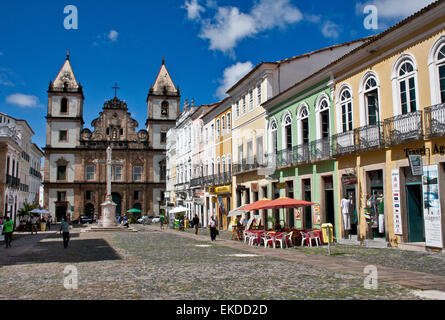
[(254, 206), (284, 203)]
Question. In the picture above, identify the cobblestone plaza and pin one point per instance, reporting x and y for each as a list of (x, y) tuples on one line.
[(157, 265)]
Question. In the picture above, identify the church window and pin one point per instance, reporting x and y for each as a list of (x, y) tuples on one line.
[(137, 173), (163, 137), (61, 196), (61, 172), (121, 131), (138, 195), (63, 135), (117, 173), (164, 109), (114, 133), (108, 131), (64, 105), (90, 171), (89, 195)]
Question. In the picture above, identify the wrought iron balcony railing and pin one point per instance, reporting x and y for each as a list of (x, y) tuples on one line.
[(196, 182), (285, 157), (247, 165), (13, 182), (403, 128), (435, 121), (344, 143), (302, 153), (321, 149), (369, 137)]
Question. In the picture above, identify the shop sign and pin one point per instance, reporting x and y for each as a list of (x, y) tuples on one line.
[(11, 201), (225, 189), (255, 187), (282, 185), (395, 178), (214, 200), (298, 213), (439, 150), (431, 212), (316, 214), (212, 190), (415, 151), (415, 162), (349, 180)]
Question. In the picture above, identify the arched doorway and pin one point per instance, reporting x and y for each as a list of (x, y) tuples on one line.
[(117, 199), (137, 214), (89, 210)]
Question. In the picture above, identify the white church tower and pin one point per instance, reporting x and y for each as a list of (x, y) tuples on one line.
[(64, 124), (163, 104)]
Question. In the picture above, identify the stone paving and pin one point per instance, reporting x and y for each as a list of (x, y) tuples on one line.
[(154, 264)]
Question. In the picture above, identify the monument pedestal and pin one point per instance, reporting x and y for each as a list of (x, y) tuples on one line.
[(108, 221)]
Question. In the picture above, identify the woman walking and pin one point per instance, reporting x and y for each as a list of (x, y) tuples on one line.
[(213, 228)]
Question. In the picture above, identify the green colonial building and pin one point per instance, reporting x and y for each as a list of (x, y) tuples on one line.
[(301, 121)]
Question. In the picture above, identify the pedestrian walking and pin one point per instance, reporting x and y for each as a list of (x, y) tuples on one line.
[(48, 223), (213, 228), (34, 222), (196, 223), (161, 222), (65, 228), (346, 211), (8, 228)]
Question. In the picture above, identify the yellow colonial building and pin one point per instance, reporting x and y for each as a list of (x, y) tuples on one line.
[(389, 106)]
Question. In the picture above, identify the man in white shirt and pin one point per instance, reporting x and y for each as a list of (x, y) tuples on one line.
[(346, 211)]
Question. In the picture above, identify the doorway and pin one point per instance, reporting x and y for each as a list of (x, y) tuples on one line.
[(329, 200), (307, 194), (350, 191), (117, 199), (290, 212), (60, 212), (414, 206)]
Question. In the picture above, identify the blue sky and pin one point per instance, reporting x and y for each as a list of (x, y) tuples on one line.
[(208, 45)]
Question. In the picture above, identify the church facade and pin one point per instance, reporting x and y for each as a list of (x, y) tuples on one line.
[(75, 173)]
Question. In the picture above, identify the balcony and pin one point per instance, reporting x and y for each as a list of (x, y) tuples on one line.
[(285, 158), (35, 173), (344, 143), (197, 182), (435, 121), (403, 128), (321, 149), (248, 164), (369, 137), (12, 181), (302, 153)]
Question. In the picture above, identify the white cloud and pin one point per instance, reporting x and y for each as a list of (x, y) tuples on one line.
[(391, 9), (112, 35), (23, 100), (232, 75), (6, 77), (229, 25), (330, 30), (194, 9)]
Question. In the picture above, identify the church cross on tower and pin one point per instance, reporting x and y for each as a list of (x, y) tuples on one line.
[(115, 89)]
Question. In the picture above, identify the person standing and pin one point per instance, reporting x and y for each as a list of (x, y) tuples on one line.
[(213, 231), (34, 222), (48, 223), (345, 210), (161, 222), (196, 223), (8, 228), (65, 228)]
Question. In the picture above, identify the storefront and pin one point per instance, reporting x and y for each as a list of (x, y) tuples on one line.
[(223, 197)]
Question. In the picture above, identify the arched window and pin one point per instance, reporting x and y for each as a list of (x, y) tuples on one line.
[(323, 117), (436, 64), (404, 83), (370, 93), (346, 110), (287, 132), (273, 137), (164, 108), (64, 105), (303, 125)]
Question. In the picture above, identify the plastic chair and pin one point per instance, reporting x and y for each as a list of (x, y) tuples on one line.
[(314, 236), (246, 235), (281, 238), (307, 237), (268, 238), (289, 237), (254, 238)]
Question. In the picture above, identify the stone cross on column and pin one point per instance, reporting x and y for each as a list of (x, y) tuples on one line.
[(109, 162), (108, 207)]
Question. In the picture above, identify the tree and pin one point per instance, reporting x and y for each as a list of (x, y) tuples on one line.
[(25, 212)]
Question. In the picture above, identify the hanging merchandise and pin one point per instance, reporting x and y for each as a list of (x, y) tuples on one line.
[(370, 212), (381, 208)]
